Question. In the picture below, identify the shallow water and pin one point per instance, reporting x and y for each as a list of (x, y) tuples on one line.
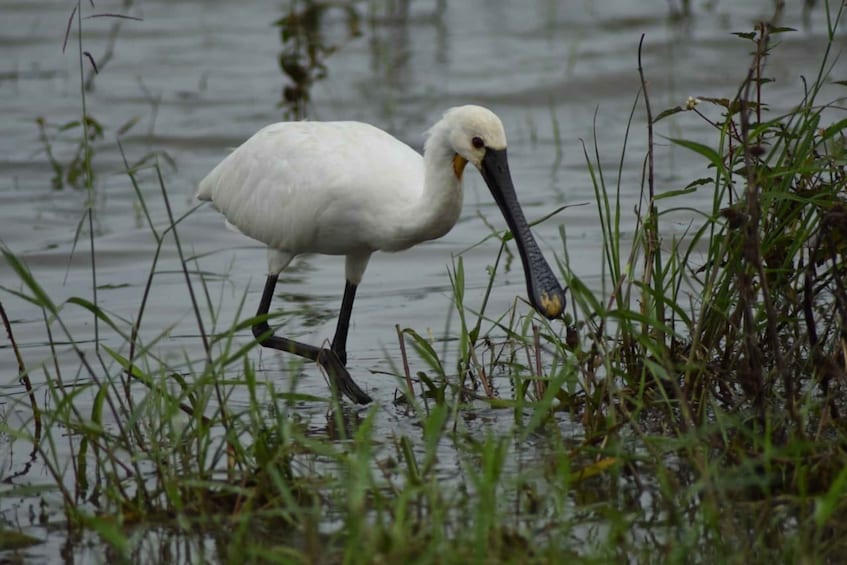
[(200, 77)]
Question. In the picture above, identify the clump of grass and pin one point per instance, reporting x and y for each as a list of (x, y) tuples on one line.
[(723, 349), (713, 371), (73, 172)]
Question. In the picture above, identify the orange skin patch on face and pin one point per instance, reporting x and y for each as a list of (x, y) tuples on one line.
[(459, 163)]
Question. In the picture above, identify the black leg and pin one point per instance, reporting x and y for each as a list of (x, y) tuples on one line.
[(327, 358), (339, 342), (264, 334)]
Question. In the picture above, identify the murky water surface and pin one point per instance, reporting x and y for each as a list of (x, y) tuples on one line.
[(194, 79)]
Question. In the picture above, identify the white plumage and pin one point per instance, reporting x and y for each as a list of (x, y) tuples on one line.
[(336, 188), (348, 188)]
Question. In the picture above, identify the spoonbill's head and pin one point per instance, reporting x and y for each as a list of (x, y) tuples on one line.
[(473, 131), (477, 136)]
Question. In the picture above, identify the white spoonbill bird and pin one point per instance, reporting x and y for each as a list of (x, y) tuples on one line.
[(348, 188)]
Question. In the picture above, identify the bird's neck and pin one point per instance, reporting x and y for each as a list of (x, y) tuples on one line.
[(436, 208), (441, 200)]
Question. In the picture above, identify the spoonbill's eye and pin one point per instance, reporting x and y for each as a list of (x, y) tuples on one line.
[(478, 142)]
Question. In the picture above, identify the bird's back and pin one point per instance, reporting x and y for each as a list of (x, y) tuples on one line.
[(322, 187)]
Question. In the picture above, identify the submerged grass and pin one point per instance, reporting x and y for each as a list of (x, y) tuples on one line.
[(690, 412)]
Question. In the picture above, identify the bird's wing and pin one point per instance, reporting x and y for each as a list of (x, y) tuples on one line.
[(323, 187)]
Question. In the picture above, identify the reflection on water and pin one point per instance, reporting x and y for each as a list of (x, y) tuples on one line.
[(193, 79), (305, 48)]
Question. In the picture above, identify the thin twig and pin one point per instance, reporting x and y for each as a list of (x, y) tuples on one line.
[(652, 232), (540, 387), (68, 29), (203, 336), (23, 376), (483, 377), (405, 359), (118, 16), (752, 251), (650, 174)]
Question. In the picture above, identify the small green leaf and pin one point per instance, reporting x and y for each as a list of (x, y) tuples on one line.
[(128, 125), (40, 298), (710, 154), (69, 125), (299, 397), (668, 112), (700, 182), (722, 102), (745, 35), (411, 461), (836, 128), (672, 193), (595, 469), (94, 309), (124, 363), (109, 530), (10, 540), (425, 350), (112, 286)]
